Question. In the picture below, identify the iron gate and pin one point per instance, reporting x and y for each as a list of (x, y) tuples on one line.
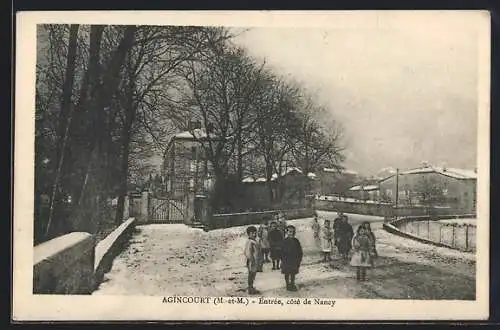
[(164, 210)]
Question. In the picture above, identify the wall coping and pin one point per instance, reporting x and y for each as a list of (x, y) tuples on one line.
[(260, 212), (51, 249), (103, 246)]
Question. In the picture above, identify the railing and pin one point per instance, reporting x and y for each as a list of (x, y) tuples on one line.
[(461, 236)]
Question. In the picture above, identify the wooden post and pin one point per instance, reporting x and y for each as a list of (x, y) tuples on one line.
[(144, 206), (453, 236), (428, 229), (440, 226), (467, 237)]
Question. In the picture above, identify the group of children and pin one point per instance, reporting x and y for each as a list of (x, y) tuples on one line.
[(278, 242), (362, 244)]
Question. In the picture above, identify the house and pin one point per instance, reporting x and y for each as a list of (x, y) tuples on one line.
[(289, 189), (365, 192), (184, 164), (331, 181), (432, 185)]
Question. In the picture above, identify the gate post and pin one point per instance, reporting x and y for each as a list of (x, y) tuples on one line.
[(126, 208), (144, 206), (189, 210)]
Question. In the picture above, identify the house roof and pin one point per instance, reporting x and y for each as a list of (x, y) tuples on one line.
[(274, 176), (365, 188), (456, 173), (344, 171), (196, 135)]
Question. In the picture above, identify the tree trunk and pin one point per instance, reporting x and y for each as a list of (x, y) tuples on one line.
[(130, 113), (64, 117)]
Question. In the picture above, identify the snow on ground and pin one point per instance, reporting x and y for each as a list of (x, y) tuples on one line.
[(175, 259)]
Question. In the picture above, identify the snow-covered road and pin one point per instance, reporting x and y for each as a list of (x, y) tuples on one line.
[(175, 259)]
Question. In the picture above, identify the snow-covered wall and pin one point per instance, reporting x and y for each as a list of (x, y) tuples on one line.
[(107, 249), (64, 265)]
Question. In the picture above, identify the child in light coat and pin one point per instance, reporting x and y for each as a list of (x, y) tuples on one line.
[(252, 254), (263, 234), (326, 240), (362, 252)]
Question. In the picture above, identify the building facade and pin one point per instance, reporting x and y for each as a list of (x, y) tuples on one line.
[(432, 186), (185, 166)]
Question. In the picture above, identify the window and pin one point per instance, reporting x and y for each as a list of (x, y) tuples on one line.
[(192, 166), (445, 192), (388, 192)]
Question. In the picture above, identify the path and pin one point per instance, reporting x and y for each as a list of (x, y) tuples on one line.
[(175, 259)]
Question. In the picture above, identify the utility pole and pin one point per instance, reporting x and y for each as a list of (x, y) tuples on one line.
[(397, 186)]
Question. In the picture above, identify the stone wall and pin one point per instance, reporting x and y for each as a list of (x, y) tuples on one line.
[(74, 264), (107, 249), (64, 265), (254, 218)]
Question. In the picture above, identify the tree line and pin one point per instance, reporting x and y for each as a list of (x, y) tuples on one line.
[(109, 97)]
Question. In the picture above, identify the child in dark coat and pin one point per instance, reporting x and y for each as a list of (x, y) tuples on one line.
[(275, 243), (291, 258)]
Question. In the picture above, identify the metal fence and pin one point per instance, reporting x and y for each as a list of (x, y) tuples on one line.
[(454, 235)]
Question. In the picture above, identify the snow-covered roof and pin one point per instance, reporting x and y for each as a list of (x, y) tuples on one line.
[(199, 133), (261, 180), (290, 170), (365, 188), (456, 173), (248, 179), (344, 171), (465, 174), (311, 175)]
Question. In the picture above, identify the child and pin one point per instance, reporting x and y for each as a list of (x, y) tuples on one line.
[(252, 256), (264, 241), (362, 254), (368, 228), (316, 228), (275, 243), (282, 222), (260, 255), (291, 258), (337, 221), (326, 240), (343, 238)]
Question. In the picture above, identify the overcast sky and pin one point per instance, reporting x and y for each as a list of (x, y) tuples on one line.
[(405, 92)]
